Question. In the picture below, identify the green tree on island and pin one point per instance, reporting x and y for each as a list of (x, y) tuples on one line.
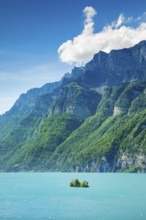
[(77, 183)]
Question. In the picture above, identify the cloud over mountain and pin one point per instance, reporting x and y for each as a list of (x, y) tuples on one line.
[(123, 32)]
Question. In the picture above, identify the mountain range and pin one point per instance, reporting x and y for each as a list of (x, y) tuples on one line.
[(92, 120)]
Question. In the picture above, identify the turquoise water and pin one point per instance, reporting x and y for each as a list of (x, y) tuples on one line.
[(43, 196)]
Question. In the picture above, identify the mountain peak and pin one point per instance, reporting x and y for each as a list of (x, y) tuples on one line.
[(124, 65), (47, 129)]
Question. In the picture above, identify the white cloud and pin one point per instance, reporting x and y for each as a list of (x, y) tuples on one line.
[(89, 13), (122, 33), (119, 22)]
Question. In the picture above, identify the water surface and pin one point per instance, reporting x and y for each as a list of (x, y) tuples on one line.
[(42, 196)]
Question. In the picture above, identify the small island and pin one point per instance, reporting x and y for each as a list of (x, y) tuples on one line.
[(77, 183)]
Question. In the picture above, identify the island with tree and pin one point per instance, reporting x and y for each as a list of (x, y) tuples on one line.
[(77, 183)]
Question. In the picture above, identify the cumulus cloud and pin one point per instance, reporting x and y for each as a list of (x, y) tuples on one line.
[(121, 33), (89, 13)]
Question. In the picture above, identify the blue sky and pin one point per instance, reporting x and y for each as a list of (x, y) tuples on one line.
[(40, 40)]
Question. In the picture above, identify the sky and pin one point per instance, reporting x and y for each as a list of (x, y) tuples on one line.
[(41, 40)]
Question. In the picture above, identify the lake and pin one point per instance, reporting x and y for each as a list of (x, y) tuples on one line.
[(43, 196)]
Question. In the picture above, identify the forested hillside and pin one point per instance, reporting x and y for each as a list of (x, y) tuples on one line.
[(93, 120)]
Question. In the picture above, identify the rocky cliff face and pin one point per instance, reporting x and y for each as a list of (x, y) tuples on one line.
[(76, 100), (89, 121), (27, 102), (36, 101), (104, 70), (115, 67), (134, 163), (76, 72), (97, 145)]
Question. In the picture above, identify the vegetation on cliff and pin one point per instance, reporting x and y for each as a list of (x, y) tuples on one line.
[(69, 126)]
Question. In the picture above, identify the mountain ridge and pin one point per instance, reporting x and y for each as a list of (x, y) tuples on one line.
[(92, 120)]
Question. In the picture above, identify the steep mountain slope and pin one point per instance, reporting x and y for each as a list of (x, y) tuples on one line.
[(76, 100), (116, 67), (35, 100), (101, 141), (94, 119), (110, 140), (73, 99), (118, 144), (38, 141)]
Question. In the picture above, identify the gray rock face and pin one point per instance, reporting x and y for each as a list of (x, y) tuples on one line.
[(104, 70), (76, 100), (76, 72), (36, 101), (125, 161), (27, 101), (103, 166), (115, 67)]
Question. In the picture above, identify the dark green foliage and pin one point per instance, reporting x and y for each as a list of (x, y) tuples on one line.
[(34, 152), (110, 97), (77, 100), (77, 183), (101, 137), (133, 91), (63, 142), (69, 126), (23, 131), (84, 184)]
